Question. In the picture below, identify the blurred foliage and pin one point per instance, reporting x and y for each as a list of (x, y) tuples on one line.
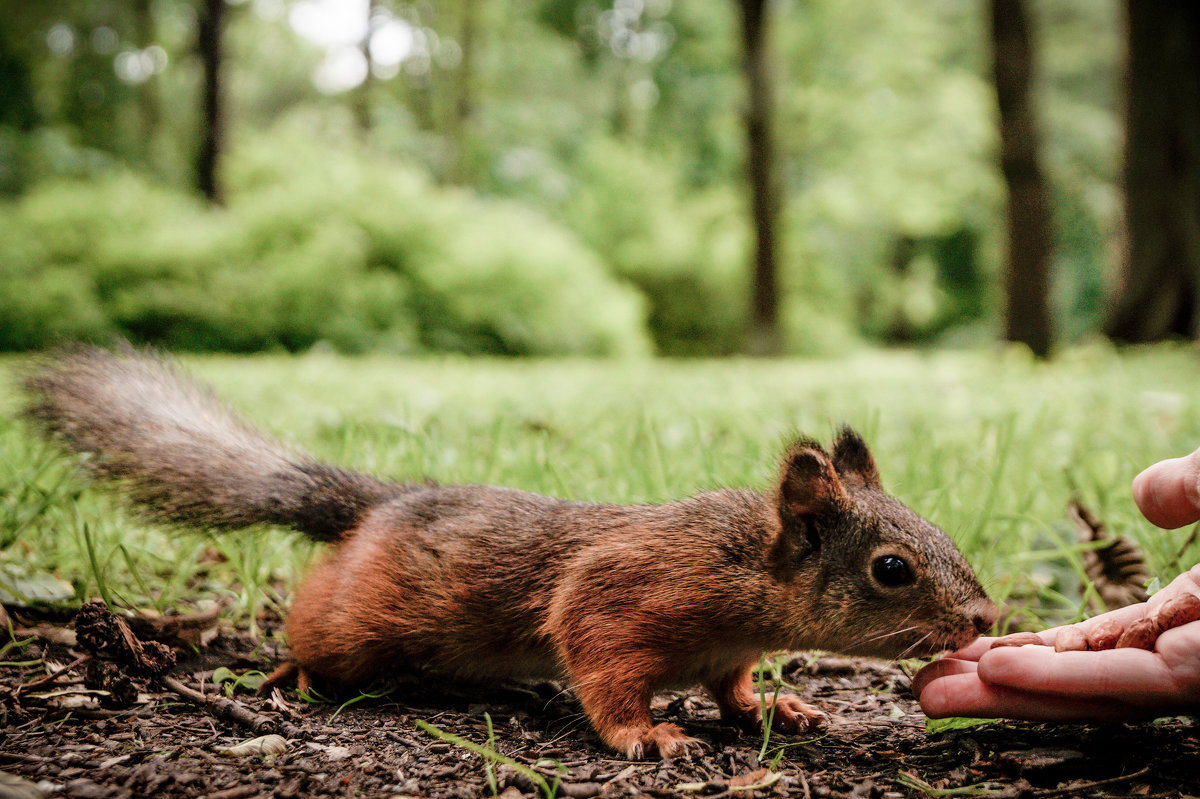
[(684, 253), (556, 176), (351, 251)]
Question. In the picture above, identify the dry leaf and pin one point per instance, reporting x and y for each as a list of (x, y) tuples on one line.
[(68, 698), (262, 746), (276, 702), (13, 786), (1118, 569), (754, 780), (331, 752)]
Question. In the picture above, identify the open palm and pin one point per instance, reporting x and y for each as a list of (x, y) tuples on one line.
[(1038, 684)]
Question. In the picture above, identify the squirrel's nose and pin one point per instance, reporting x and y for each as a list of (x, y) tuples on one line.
[(983, 615)]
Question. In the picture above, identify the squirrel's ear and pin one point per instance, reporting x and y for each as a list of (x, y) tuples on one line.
[(809, 486), (853, 462)]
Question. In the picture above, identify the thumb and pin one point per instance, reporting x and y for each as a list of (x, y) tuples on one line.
[(1168, 493)]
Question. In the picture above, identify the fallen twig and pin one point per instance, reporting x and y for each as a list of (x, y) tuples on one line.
[(1087, 786), (54, 675), (236, 792), (232, 710)]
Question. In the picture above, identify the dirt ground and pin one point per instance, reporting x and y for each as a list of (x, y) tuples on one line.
[(168, 739)]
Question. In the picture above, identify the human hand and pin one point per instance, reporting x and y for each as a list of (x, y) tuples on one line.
[(1168, 493), (1038, 684)]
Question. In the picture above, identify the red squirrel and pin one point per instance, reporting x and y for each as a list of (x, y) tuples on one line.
[(492, 583)]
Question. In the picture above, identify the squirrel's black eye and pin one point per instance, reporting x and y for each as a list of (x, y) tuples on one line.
[(892, 571)]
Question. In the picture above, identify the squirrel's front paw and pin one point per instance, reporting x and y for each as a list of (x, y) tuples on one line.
[(792, 715), (667, 740)]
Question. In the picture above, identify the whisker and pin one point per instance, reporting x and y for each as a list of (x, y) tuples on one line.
[(908, 650), (866, 640)]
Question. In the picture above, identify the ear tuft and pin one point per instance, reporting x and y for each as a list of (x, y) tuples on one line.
[(809, 484), (853, 461)]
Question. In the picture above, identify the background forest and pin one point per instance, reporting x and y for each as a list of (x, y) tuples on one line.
[(563, 176)]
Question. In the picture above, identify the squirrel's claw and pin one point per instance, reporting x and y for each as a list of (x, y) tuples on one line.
[(793, 715), (666, 739)]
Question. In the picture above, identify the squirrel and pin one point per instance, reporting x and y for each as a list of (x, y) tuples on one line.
[(490, 583)]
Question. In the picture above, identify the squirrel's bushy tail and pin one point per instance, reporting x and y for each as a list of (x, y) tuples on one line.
[(182, 455)]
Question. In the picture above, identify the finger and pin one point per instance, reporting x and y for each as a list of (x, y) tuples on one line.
[(1168, 493), (974, 650), (1124, 616), (939, 669), (1189, 581), (1178, 648), (964, 694), (1127, 675)]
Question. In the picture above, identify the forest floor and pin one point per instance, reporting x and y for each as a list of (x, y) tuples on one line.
[(169, 739)]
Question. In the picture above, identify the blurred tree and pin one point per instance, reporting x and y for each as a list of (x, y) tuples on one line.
[(460, 169), (212, 120), (1159, 292), (765, 337), (362, 96), (1030, 239), (883, 115), (147, 91), (618, 41), (18, 112)]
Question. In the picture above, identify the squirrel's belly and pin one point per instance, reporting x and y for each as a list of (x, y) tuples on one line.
[(503, 665)]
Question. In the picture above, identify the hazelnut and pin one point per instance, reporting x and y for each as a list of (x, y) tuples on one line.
[(1177, 611), (1141, 635), (1018, 639), (1070, 639), (1104, 634)]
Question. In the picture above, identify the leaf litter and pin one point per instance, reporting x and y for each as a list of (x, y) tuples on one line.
[(174, 738)]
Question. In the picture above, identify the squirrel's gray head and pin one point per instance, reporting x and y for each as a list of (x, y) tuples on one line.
[(866, 575)]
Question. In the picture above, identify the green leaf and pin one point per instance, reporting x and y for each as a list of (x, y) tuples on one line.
[(22, 588), (935, 726)]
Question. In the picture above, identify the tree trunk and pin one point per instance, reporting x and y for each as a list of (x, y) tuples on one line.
[(1030, 237), (361, 99), (765, 338), (212, 118), (147, 91), (462, 168), (1158, 295)]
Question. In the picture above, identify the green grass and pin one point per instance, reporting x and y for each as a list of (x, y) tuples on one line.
[(989, 445)]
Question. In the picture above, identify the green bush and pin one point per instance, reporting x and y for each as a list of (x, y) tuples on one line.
[(688, 256), (317, 244), (691, 255)]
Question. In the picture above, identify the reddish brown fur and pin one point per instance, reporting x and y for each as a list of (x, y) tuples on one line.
[(624, 600), (487, 583)]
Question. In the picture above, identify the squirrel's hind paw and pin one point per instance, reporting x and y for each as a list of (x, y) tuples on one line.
[(793, 715), (667, 740), (285, 675)]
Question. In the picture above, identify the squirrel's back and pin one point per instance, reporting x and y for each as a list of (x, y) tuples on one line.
[(182, 455)]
